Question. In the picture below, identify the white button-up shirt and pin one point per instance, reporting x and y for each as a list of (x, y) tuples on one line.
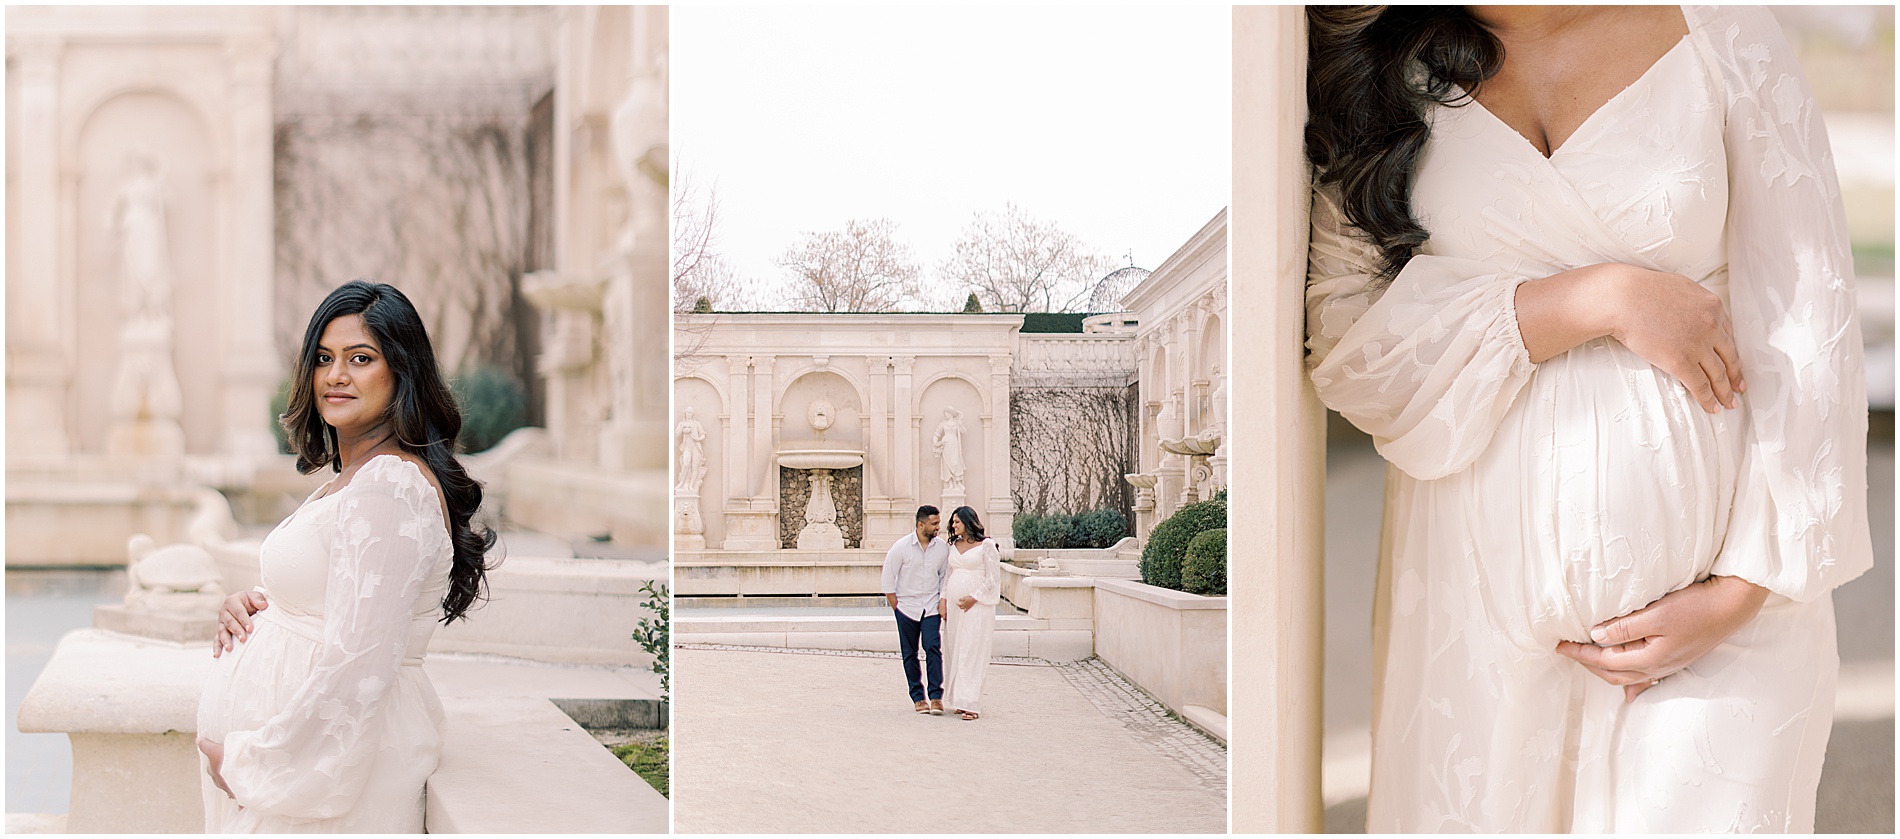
[(914, 573)]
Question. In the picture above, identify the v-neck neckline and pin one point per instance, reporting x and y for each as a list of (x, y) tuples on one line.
[(961, 551), (1587, 121)]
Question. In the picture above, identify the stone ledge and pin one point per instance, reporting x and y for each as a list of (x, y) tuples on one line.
[(1211, 722), (100, 682), (577, 786), (1161, 596)]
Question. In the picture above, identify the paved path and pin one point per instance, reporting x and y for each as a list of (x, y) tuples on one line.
[(810, 741)]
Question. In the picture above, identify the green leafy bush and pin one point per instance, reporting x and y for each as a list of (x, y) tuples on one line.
[(492, 403), (279, 403), (1037, 531), (1099, 528), (655, 634), (1167, 545), (972, 306), (1205, 569)]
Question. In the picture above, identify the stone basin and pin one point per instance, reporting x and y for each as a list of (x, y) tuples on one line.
[(816, 458)]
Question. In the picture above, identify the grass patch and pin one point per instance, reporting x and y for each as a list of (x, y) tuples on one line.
[(649, 761)]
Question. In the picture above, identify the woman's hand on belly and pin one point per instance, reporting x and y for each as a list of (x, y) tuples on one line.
[(214, 759), (234, 619), (1667, 319), (1640, 648)]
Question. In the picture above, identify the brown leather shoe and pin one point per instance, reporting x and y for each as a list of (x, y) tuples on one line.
[(936, 707), (924, 708)]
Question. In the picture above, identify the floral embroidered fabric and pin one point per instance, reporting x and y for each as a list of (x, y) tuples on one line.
[(1527, 503), (327, 720), (969, 637)]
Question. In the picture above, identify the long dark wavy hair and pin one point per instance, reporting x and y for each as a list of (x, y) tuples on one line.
[(422, 416), (972, 529), (1373, 74)]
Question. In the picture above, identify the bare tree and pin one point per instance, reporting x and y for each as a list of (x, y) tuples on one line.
[(858, 269), (699, 269), (1018, 263)]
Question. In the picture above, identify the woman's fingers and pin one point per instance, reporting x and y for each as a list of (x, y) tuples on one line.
[(1634, 626), (1717, 371), (1731, 357)]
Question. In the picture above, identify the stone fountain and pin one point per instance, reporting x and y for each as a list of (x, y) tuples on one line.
[(821, 459)]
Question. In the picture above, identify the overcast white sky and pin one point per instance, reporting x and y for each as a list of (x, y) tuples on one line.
[(1112, 122)]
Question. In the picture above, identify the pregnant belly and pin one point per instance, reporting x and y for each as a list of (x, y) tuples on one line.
[(1620, 484), (255, 680)]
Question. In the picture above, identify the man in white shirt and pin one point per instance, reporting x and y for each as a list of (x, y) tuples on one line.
[(913, 583)]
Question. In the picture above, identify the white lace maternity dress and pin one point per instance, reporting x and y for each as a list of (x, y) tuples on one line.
[(327, 720), (969, 637), (1528, 502)]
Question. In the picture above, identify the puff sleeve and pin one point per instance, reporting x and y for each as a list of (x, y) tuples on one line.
[(1799, 521), (310, 760), (1427, 364)]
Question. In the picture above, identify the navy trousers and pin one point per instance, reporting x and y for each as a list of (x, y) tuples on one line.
[(909, 633)]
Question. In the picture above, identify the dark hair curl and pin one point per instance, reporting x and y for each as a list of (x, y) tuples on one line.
[(972, 528), (423, 417), (1373, 75)]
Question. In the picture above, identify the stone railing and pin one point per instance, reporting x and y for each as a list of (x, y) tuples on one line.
[(1172, 644), (1074, 360)]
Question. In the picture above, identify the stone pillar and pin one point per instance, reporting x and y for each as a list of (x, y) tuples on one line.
[(1279, 487), (876, 424), (252, 361), (1002, 500), (762, 484), (37, 369), (737, 454), (904, 482)]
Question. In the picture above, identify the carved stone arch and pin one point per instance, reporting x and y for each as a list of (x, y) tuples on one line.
[(783, 383), (720, 389), (982, 391), (198, 103)]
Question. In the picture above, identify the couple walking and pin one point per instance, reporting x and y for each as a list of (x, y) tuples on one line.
[(953, 586)]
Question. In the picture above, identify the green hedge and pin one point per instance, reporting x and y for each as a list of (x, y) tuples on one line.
[(492, 403), (1167, 546), (1094, 529), (1205, 569)]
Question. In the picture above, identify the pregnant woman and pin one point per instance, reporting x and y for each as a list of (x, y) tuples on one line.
[(1583, 275), (972, 587), (320, 719)]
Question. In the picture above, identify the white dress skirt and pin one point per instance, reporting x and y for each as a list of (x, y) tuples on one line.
[(1528, 502), (328, 723), (969, 636)]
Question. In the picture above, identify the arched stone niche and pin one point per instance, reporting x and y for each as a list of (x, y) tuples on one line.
[(179, 139), (707, 404), (821, 410), (1213, 354), (954, 389)]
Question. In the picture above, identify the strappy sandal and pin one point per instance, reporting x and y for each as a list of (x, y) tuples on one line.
[(969, 715)]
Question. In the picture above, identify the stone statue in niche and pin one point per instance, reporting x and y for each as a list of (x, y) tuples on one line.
[(145, 401), (690, 437), (948, 444), (821, 530), (138, 225)]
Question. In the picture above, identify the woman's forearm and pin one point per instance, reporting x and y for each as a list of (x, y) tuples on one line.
[(1668, 319), (1568, 309)]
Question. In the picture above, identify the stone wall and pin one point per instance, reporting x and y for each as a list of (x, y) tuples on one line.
[(847, 491), (1071, 447)]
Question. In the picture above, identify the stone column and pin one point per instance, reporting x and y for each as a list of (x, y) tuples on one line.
[(737, 454), (999, 481), (904, 482), (762, 479), (876, 419), (252, 361), (37, 370), (1279, 487)]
